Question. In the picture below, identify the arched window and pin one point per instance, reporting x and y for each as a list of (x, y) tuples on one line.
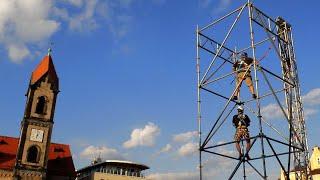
[(41, 105), (33, 154)]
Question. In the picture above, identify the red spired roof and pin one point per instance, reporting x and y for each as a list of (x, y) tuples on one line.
[(60, 161), (45, 66)]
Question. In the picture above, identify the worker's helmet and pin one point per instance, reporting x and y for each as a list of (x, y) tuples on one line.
[(244, 55), (240, 108)]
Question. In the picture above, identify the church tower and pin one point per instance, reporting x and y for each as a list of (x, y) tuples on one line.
[(37, 123)]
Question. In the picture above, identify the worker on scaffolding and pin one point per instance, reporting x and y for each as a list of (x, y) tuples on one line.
[(241, 122), (242, 69)]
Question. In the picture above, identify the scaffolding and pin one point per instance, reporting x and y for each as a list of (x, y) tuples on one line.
[(275, 75)]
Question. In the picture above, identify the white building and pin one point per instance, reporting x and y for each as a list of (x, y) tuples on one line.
[(112, 170)]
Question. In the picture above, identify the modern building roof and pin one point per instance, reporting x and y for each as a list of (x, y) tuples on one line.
[(116, 163), (44, 67), (60, 161)]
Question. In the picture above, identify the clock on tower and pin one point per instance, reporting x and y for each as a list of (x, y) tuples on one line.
[(36, 135)]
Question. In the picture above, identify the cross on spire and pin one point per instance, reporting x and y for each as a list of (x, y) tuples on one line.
[(50, 49)]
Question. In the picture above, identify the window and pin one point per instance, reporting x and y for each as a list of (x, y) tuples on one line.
[(3, 142), (33, 154), (41, 107)]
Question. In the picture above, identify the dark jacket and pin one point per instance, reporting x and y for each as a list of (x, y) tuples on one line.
[(243, 120), (242, 64)]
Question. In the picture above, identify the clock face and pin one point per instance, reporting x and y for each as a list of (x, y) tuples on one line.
[(36, 135)]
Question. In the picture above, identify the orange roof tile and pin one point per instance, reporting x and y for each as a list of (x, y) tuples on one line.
[(45, 66), (8, 151), (60, 161)]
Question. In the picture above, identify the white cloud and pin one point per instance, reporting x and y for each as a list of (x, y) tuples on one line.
[(188, 149), (310, 100), (17, 52), (143, 136), (26, 25), (185, 137), (91, 152), (120, 27), (222, 6), (166, 148), (312, 97), (174, 176), (92, 14), (85, 20), (205, 3), (77, 3), (309, 112), (25, 22), (272, 111), (61, 13), (215, 166), (184, 144), (218, 7)]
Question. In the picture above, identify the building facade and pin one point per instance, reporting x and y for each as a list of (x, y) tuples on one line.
[(314, 167), (315, 163), (112, 170), (33, 156)]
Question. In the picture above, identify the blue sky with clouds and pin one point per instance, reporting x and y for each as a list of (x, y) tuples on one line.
[(127, 74)]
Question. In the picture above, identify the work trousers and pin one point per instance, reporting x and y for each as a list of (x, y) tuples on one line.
[(247, 78)]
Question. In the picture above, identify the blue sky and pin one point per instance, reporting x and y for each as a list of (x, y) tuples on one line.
[(127, 73)]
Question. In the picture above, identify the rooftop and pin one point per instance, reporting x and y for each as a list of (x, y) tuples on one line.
[(118, 163), (44, 67), (59, 162)]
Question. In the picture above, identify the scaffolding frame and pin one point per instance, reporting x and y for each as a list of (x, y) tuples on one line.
[(279, 35)]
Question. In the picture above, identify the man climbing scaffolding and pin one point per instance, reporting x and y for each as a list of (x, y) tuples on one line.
[(241, 122), (242, 69)]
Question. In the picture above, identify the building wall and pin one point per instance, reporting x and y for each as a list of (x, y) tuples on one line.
[(39, 122), (60, 178), (315, 163), (42, 145), (292, 176), (316, 177), (30, 175), (86, 177), (105, 176), (6, 175), (24, 175)]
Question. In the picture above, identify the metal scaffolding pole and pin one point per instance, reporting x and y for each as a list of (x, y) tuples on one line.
[(199, 103), (253, 48)]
